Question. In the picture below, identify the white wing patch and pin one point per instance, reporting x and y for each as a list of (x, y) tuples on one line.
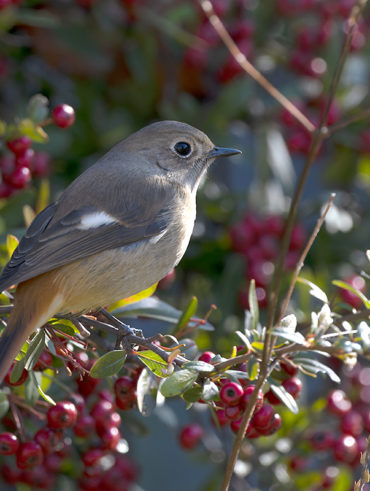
[(94, 220), (156, 238)]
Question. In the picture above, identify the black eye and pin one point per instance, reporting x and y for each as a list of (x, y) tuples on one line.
[(182, 148)]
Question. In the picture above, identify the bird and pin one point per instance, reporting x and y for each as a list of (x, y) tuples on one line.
[(116, 230)]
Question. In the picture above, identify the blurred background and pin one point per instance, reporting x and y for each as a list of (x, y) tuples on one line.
[(122, 64)]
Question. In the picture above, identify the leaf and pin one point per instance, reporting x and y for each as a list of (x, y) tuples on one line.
[(186, 315), (134, 298), (11, 244), (45, 396), (314, 366), (43, 196), (244, 339), (315, 291), (146, 401), (17, 371), (253, 304), (35, 349), (178, 383), (346, 286), (4, 404), (284, 396), (154, 362), (252, 368), (153, 308), (28, 215), (35, 132), (210, 390), (193, 394), (108, 364), (37, 108), (234, 375), (199, 366), (294, 337)]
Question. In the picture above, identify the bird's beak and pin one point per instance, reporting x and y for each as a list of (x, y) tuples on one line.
[(222, 152)]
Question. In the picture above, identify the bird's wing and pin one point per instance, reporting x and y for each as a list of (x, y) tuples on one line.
[(50, 243)]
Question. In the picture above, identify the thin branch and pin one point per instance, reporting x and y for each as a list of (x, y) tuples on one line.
[(250, 69), (303, 256), (347, 122)]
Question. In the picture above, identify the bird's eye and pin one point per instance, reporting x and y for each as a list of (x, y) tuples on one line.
[(182, 148)]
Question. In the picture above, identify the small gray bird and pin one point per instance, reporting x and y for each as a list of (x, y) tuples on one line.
[(119, 228)]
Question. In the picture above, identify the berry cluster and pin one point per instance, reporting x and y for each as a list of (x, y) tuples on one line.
[(258, 240), (23, 163), (344, 438), (93, 423), (358, 283)]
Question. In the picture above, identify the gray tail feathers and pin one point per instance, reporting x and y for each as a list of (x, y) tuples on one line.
[(11, 341)]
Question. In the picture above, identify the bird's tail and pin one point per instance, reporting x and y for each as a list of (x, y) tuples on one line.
[(33, 306)]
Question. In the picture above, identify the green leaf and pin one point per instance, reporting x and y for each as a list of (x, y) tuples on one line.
[(346, 286), (252, 368), (315, 291), (146, 384), (65, 328), (284, 396), (193, 394), (294, 337), (11, 244), (154, 362), (4, 404), (178, 383), (153, 308), (234, 375), (37, 108), (186, 315), (210, 391), (253, 304), (244, 339), (17, 371), (35, 349), (35, 132), (314, 366), (37, 384), (108, 364), (199, 366)]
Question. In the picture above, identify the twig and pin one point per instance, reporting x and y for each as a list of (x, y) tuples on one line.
[(18, 420), (250, 69), (303, 256), (365, 472), (343, 124)]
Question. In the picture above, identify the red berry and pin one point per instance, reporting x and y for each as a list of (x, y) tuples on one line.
[(63, 115), (45, 361), (293, 386), (251, 431), (206, 356), (289, 367), (112, 419), (272, 427), (21, 379), (231, 393), (322, 440), (338, 403), (8, 443), (25, 159), (358, 283), (297, 464), (19, 145), (190, 435), (6, 190), (221, 417), (262, 418), (110, 438), (62, 415), (78, 401), (297, 238), (92, 456), (84, 426), (233, 413), (86, 385), (52, 463), (167, 281), (29, 455), (48, 439), (40, 165), (101, 411), (351, 423), (346, 449), (272, 398), (126, 403), (10, 474), (20, 177), (329, 476), (123, 386), (247, 395)]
